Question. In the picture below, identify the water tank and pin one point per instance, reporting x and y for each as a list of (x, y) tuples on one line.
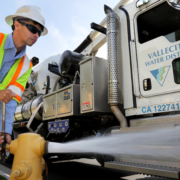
[(69, 63)]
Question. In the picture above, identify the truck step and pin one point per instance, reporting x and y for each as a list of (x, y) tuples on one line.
[(157, 120), (159, 171)]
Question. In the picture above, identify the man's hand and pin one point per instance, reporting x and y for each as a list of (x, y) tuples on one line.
[(6, 95), (8, 139)]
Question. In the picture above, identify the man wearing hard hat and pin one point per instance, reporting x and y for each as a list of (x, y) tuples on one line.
[(28, 24)]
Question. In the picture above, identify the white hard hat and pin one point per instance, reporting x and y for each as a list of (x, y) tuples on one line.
[(31, 12)]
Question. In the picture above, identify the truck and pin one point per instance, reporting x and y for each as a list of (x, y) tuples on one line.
[(76, 94)]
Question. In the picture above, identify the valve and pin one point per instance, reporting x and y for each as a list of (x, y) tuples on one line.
[(28, 151)]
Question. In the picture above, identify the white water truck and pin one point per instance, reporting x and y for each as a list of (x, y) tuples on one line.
[(77, 94)]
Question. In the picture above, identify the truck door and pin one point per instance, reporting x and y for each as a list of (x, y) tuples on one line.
[(158, 49)]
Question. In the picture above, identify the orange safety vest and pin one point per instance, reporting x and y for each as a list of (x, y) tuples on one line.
[(18, 74)]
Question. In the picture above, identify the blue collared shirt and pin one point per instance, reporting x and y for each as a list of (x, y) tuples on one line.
[(8, 60)]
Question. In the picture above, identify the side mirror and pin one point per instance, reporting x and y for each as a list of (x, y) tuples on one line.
[(141, 2), (174, 3), (35, 61)]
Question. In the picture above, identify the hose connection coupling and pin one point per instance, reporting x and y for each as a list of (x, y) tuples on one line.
[(22, 170)]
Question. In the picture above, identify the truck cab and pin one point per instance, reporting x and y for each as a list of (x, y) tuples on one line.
[(150, 46)]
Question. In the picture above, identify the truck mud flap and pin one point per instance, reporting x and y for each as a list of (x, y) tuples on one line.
[(159, 171)]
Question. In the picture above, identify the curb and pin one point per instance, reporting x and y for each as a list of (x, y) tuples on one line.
[(4, 176)]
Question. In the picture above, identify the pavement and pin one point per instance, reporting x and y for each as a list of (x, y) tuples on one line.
[(4, 176), (80, 169)]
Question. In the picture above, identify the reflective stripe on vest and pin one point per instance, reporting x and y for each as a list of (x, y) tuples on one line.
[(16, 89), (1, 38), (21, 66), (18, 70), (2, 43), (26, 66)]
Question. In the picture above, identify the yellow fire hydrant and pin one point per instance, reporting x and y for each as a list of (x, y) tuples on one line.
[(28, 163)]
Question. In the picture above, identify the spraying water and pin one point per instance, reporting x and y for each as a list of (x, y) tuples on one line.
[(158, 143)]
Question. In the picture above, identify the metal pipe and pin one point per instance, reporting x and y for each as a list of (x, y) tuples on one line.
[(84, 44), (120, 117), (2, 146), (113, 66), (3, 117), (94, 34)]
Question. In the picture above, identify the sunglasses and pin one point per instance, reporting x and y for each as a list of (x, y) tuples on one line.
[(31, 28)]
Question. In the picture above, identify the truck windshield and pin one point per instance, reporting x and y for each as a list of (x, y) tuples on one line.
[(162, 20)]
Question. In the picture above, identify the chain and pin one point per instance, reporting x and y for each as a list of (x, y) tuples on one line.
[(46, 173)]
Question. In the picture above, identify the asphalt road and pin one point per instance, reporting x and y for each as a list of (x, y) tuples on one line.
[(83, 170)]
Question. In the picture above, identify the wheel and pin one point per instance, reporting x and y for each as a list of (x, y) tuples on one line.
[(9, 157), (101, 158)]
